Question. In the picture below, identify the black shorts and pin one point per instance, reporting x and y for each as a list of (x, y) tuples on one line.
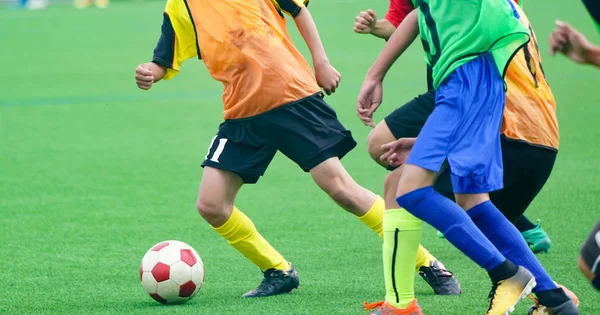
[(526, 167), (590, 251), (306, 131)]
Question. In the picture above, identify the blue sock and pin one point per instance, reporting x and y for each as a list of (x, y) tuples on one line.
[(446, 216), (505, 236)]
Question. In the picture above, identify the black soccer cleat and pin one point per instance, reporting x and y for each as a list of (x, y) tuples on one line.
[(441, 280), (276, 282)]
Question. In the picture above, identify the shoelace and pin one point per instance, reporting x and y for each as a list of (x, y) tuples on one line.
[(371, 306)]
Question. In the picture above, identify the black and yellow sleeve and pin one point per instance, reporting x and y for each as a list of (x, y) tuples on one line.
[(178, 41), (164, 53), (290, 7)]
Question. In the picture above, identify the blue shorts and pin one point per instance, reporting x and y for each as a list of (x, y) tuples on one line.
[(464, 128)]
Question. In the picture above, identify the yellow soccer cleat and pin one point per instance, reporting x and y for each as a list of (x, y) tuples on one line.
[(506, 293)]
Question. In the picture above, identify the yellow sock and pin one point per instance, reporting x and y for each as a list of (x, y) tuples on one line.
[(241, 233), (401, 238), (374, 220), (374, 217), (424, 258)]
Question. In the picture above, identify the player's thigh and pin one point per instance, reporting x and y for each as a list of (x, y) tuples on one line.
[(239, 148), (407, 121), (404, 122), (590, 251), (307, 132), (526, 171)]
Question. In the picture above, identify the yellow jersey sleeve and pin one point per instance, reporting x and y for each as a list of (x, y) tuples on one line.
[(290, 7), (178, 41)]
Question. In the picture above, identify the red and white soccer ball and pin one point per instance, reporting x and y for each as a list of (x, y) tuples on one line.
[(172, 272)]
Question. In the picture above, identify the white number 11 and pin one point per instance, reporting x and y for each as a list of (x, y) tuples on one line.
[(218, 151)]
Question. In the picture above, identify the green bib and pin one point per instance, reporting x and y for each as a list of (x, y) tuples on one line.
[(456, 32)]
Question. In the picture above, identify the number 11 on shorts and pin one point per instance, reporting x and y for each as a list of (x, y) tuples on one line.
[(218, 150)]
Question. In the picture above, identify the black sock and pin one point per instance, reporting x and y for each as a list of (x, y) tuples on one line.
[(504, 271), (596, 283), (552, 298), (523, 224)]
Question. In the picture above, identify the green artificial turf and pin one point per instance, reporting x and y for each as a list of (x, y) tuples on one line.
[(93, 171)]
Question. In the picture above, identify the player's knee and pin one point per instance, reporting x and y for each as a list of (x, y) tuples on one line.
[(413, 178), (374, 147), (377, 138), (390, 185), (213, 212), (468, 201)]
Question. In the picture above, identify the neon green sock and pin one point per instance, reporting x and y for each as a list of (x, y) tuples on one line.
[(401, 238)]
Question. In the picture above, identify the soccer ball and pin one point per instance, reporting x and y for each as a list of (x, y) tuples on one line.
[(172, 272)]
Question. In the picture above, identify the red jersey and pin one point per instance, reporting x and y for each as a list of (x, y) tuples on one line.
[(399, 9)]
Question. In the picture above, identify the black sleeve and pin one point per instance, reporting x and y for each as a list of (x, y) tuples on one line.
[(165, 48), (593, 6), (290, 7)]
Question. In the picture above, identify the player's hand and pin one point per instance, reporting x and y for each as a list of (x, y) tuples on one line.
[(327, 77), (365, 22), (569, 42), (396, 152), (369, 99), (144, 76)]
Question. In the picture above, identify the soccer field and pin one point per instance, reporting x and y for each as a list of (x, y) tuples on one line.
[(94, 171)]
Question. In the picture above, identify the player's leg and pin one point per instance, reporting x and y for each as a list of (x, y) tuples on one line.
[(405, 121), (233, 160), (523, 224), (317, 145), (526, 171), (474, 174), (401, 237), (518, 195), (408, 120), (309, 133), (379, 136), (460, 129), (589, 260), (334, 180), (435, 274)]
